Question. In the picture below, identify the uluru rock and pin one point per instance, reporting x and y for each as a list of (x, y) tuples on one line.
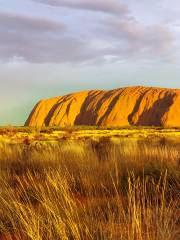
[(145, 106)]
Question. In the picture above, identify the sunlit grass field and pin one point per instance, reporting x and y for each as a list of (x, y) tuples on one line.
[(89, 183)]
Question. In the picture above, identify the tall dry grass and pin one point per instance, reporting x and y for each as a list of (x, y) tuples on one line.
[(103, 189)]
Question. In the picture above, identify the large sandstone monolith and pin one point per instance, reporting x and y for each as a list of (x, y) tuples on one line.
[(146, 106)]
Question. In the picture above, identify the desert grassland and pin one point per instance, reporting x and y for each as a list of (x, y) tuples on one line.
[(31, 134), (90, 183)]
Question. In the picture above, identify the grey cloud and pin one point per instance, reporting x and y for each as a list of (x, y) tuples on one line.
[(132, 38), (128, 37), (9, 21), (39, 40), (110, 6)]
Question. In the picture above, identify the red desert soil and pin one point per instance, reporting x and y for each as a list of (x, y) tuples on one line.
[(11, 236), (145, 106)]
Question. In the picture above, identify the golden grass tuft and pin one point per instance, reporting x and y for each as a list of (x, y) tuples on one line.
[(90, 189)]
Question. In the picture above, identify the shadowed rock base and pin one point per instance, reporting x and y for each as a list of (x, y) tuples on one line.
[(140, 106)]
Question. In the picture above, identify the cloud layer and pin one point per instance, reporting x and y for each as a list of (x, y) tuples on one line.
[(37, 40), (110, 6), (134, 39), (114, 36)]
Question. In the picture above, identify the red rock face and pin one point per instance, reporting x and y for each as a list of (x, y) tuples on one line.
[(145, 106)]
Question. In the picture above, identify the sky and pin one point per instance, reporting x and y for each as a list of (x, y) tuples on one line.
[(55, 47)]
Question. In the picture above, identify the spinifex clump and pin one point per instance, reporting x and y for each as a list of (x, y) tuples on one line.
[(65, 191)]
